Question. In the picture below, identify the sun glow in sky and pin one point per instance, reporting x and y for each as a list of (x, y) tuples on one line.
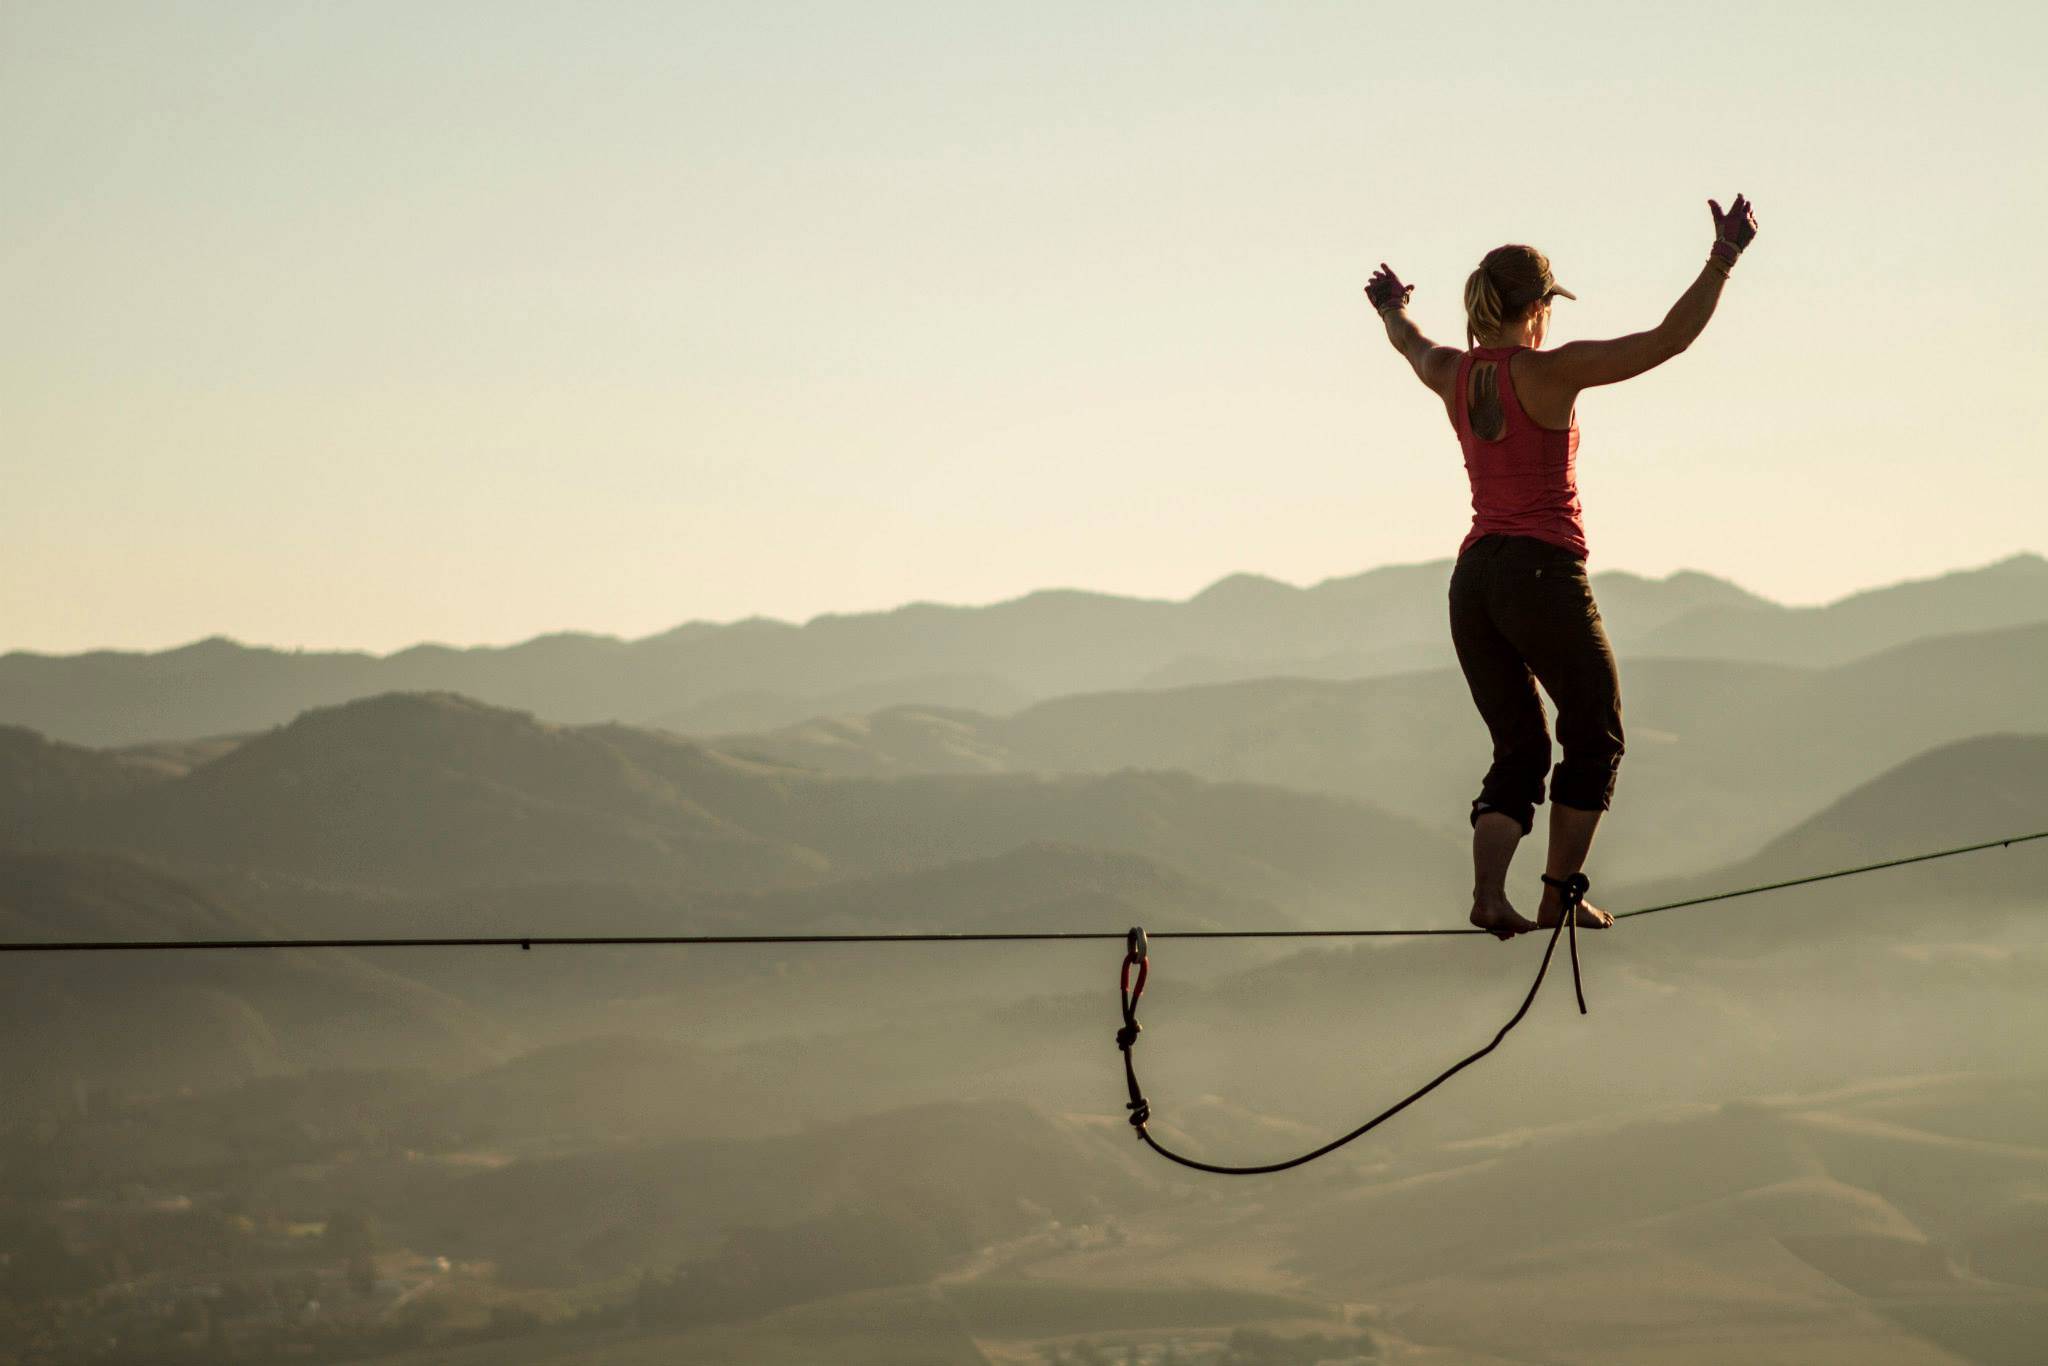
[(371, 323)]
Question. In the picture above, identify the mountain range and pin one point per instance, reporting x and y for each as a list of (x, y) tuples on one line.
[(708, 678), (413, 814), (434, 792), (1722, 755)]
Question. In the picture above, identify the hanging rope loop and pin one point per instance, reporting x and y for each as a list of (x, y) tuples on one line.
[(1574, 889)]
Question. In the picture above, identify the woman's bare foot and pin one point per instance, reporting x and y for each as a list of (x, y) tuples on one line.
[(1499, 918), (1551, 912)]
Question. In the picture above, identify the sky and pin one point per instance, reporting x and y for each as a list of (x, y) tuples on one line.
[(361, 325)]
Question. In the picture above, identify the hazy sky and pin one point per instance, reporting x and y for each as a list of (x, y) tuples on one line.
[(360, 324)]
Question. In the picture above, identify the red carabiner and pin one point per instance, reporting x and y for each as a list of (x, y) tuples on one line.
[(1136, 955)]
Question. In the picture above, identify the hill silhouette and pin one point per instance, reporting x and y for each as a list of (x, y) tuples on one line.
[(1723, 755), (144, 1023), (39, 775), (2010, 592), (431, 790), (1960, 793), (1973, 789), (707, 677), (428, 792)]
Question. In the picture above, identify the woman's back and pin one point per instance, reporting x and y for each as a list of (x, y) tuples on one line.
[(1523, 473)]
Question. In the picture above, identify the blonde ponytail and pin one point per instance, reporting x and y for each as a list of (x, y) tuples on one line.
[(1482, 307)]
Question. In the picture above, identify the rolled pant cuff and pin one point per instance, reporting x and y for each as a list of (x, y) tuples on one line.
[(1582, 796), (1523, 815)]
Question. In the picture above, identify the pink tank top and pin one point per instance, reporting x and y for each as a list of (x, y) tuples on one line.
[(1525, 483)]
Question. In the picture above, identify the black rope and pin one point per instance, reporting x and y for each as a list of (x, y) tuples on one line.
[(1574, 889), (529, 941), (1839, 872), (1136, 955)]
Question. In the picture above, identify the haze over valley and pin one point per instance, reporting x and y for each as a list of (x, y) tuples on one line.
[(1799, 1126)]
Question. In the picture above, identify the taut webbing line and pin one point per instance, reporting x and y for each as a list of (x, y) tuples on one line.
[(528, 941), (1840, 872)]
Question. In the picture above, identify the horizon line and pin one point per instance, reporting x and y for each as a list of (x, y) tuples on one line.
[(566, 633)]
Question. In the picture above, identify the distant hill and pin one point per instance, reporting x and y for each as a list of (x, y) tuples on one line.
[(1039, 885), (38, 775), (1393, 621), (709, 678), (435, 790), (424, 792), (1706, 1228), (613, 1213), (762, 707), (156, 1022), (2011, 592), (706, 677), (1960, 793), (1723, 755)]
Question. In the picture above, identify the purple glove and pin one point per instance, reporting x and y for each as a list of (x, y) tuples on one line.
[(1386, 290), (1737, 227)]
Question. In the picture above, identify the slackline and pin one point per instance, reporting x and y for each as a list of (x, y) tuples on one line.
[(1136, 955), (530, 941)]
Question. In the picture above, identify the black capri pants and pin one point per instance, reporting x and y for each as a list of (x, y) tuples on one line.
[(1522, 612)]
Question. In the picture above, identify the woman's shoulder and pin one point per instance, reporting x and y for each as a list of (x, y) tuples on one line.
[(1540, 387)]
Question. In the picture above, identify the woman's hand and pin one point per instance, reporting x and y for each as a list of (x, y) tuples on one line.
[(1737, 226), (1386, 290)]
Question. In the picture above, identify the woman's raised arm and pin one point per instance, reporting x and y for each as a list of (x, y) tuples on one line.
[(1584, 364), (1432, 364)]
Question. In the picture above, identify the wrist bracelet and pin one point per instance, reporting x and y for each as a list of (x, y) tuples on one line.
[(1718, 264), (1733, 250)]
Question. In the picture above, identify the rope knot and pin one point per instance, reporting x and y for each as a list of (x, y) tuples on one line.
[(1128, 1035), (1574, 887)]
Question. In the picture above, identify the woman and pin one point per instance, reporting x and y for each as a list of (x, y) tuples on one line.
[(1522, 611)]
